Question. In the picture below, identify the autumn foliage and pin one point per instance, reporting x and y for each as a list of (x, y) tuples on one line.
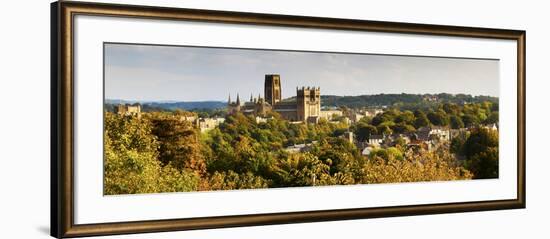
[(160, 152)]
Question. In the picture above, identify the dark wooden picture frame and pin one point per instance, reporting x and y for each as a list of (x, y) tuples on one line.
[(62, 118)]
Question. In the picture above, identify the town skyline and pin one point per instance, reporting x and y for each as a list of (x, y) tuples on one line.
[(246, 98), (146, 73)]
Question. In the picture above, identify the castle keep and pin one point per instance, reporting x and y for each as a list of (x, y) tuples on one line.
[(306, 107), (128, 109)]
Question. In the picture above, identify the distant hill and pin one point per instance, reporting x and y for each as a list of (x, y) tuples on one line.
[(172, 105), (405, 101), (402, 100), (189, 105)]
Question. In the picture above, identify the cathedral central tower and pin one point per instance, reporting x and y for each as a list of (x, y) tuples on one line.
[(272, 89)]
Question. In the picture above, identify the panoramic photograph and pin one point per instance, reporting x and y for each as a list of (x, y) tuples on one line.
[(187, 119)]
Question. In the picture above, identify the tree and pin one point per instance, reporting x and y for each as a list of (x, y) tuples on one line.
[(456, 122), (407, 117), (173, 180), (403, 128), (457, 143), (129, 171), (364, 131), (130, 156), (179, 144), (400, 143), (492, 118), (481, 151), (338, 153), (162, 152), (384, 129), (470, 120), (391, 153), (301, 170), (421, 119), (451, 108), (387, 116), (414, 167), (438, 118), (229, 180)]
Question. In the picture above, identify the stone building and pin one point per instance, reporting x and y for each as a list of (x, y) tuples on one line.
[(306, 107), (128, 110), (272, 89), (308, 104), (206, 124), (233, 107), (331, 114)]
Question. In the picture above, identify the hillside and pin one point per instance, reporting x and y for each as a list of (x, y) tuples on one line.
[(404, 101)]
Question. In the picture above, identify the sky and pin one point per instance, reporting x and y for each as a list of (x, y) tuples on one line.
[(177, 73)]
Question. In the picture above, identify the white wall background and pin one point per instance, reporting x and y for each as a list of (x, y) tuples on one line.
[(24, 121)]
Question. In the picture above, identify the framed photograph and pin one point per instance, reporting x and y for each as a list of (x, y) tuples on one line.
[(170, 119)]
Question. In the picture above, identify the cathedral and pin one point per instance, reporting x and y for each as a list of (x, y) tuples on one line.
[(306, 107)]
